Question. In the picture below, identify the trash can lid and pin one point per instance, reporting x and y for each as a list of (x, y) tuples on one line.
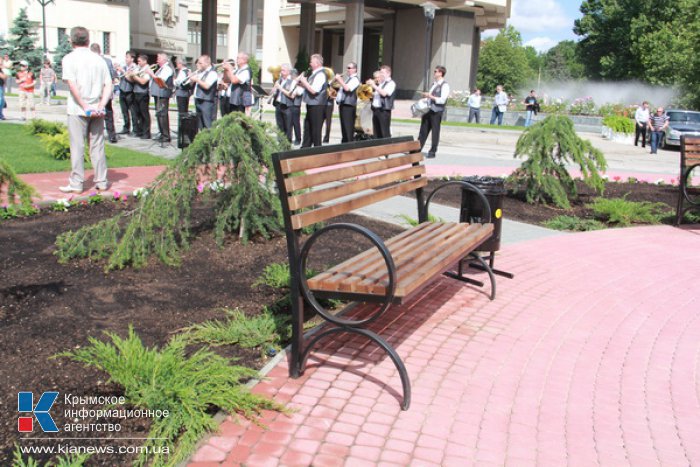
[(490, 185)]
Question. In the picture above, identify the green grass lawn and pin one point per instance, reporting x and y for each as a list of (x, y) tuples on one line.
[(26, 153)]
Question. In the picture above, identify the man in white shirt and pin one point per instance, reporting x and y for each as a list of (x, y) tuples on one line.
[(161, 89), (500, 105), (241, 92), (315, 97), (283, 100), (474, 104), (431, 120), (205, 92), (382, 103), (141, 80), (347, 102), (90, 85), (641, 118)]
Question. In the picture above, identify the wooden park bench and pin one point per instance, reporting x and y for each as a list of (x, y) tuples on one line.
[(688, 196), (318, 184)]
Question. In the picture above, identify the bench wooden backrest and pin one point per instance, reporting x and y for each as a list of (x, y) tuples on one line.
[(345, 177), (690, 151)]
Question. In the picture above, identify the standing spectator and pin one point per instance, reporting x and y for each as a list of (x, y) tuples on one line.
[(474, 104), (657, 125), (641, 121), (47, 79), (26, 82), (500, 105), (6, 69), (3, 79), (531, 105), (431, 121), (90, 85)]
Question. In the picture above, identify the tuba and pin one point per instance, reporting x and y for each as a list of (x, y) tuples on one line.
[(365, 92)]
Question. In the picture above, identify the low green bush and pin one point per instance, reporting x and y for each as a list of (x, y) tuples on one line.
[(37, 126), (77, 460), (238, 329), (622, 213), (573, 223), (57, 144), (619, 124)]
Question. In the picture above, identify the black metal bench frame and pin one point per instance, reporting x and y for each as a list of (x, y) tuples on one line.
[(685, 200)]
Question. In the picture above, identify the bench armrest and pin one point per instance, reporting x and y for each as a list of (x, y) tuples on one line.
[(383, 250), (464, 185)]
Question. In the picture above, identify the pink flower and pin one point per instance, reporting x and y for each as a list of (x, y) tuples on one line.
[(125, 198), (93, 193), (200, 188), (617, 178), (83, 202), (116, 195)]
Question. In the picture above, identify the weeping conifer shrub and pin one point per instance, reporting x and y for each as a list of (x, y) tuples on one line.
[(237, 150), (13, 187), (547, 147)]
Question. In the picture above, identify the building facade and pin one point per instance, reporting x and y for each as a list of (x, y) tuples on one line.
[(412, 36)]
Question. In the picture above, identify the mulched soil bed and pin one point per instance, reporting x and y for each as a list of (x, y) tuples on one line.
[(47, 307), (515, 208)]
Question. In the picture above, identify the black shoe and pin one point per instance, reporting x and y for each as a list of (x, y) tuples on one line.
[(164, 139), (296, 143), (113, 140), (431, 155), (124, 131), (158, 136), (146, 136), (326, 140), (643, 146)]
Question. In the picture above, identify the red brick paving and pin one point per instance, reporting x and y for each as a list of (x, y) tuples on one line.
[(589, 356)]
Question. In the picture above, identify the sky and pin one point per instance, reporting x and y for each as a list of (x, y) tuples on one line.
[(543, 23)]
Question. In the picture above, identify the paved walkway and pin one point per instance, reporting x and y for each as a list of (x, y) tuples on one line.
[(590, 356)]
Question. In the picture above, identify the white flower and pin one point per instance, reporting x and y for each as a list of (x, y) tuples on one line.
[(216, 185), (660, 181), (63, 202), (605, 177), (140, 192)]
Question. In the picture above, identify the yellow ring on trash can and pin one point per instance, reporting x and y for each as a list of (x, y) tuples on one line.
[(498, 213)]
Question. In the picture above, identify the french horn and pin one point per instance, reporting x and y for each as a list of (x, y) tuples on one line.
[(365, 92)]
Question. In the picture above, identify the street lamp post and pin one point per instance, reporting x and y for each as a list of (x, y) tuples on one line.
[(43, 4), (429, 12)]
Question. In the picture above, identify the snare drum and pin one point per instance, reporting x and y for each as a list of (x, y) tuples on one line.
[(420, 107)]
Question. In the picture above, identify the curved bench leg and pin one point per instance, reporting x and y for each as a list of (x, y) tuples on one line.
[(398, 363), (488, 269)]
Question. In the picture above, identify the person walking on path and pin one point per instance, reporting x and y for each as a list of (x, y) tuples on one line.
[(474, 104), (26, 82), (90, 84), (431, 120), (531, 106), (48, 78), (641, 121), (657, 125), (500, 105)]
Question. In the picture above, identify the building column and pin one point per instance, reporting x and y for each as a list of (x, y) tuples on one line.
[(209, 29), (388, 32), (307, 27), (476, 47), (354, 25), (248, 27), (233, 28)]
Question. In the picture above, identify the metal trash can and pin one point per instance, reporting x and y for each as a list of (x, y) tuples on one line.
[(186, 129), (471, 209)]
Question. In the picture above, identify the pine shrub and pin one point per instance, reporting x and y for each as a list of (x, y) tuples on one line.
[(573, 223), (237, 150), (13, 187), (186, 385), (237, 329), (548, 146), (623, 213)]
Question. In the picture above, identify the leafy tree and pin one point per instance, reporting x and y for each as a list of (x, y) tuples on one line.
[(651, 40), (561, 62), (23, 41), (503, 60), (63, 49), (548, 146), (4, 46), (254, 69)]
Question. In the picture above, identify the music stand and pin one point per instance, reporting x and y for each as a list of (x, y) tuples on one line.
[(259, 93)]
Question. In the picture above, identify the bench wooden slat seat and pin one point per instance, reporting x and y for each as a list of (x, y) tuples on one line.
[(420, 254), (319, 184)]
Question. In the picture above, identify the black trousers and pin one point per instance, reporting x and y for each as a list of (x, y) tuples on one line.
[(313, 125), (206, 112), (224, 106), (283, 117), (328, 119), (126, 102), (430, 122), (236, 108), (109, 121), (347, 122), (381, 123), (143, 115), (296, 123), (183, 104), (640, 130), (162, 107)]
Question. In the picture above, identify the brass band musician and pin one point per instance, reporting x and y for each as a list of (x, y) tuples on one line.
[(126, 95), (161, 86), (315, 96), (141, 79), (283, 101), (347, 102), (204, 92), (382, 102), (241, 80), (183, 90)]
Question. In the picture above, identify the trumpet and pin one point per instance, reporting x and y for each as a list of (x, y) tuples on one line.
[(219, 66), (186, 81)]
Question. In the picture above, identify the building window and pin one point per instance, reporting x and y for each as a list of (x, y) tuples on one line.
[(194, 32), (106, 43), (222, 35), (61, 33), (341, 44), (260, 20)]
